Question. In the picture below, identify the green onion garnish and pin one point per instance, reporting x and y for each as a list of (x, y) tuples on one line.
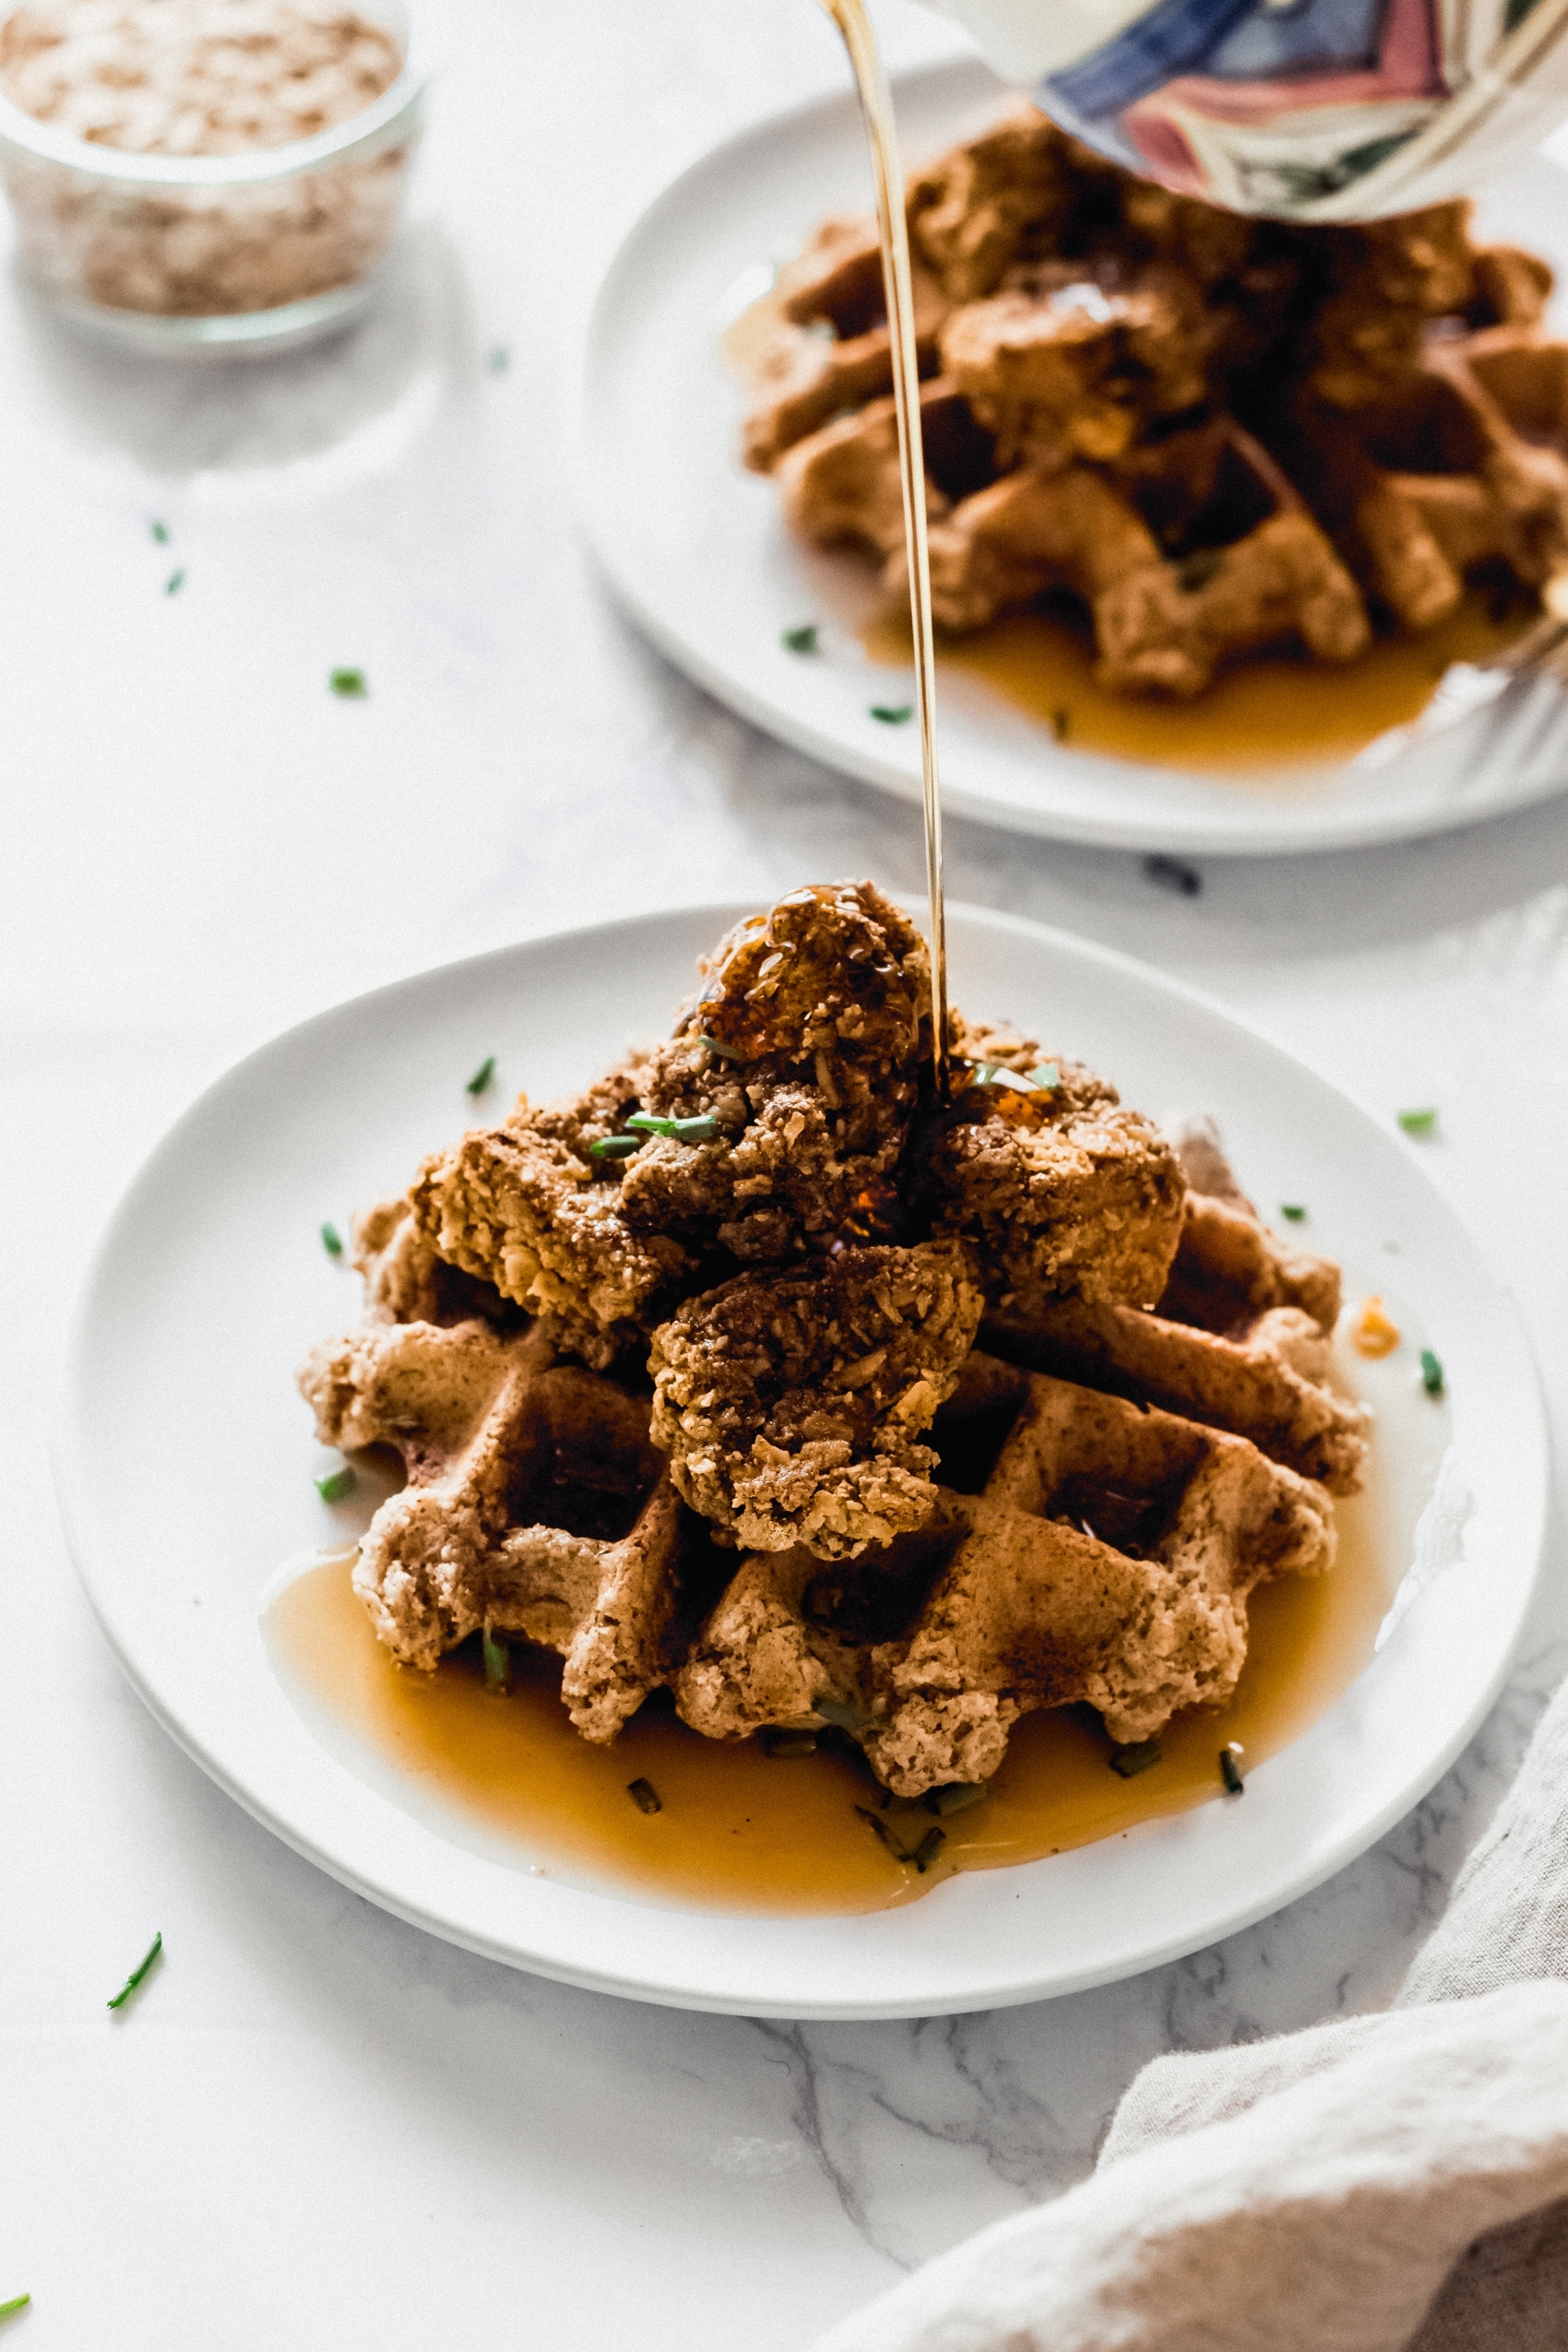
[(1418, 1122), (1293, 1210), (331, 1241), (1431, 1373), (1231, 1773), (482, 1076), (350, 683), (928, 1849), (802, 640), (1041, 1081), (957, 1796), (726, 1052), (875, 1822), (1129, 1762), (154, 1948), (1060, 723), (616, 1147), (1047, 1075), (498, 360), (843, 1714), (497, 1661), (644, 1796), (893, 713), (174, 582), (18, 2302), (161, 533), (789, 1743), (684, 1130), (336, 1484)]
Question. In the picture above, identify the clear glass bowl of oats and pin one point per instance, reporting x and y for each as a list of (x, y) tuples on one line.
[(213, 175)]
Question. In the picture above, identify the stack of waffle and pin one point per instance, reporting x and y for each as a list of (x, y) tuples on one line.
[(1212, 434), (955, 1451)]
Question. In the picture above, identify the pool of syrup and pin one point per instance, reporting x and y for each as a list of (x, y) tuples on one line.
[(1272, 712), (739, 1830)]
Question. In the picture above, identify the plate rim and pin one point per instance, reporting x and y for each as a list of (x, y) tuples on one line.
[(70, 1442), (1354, 823)]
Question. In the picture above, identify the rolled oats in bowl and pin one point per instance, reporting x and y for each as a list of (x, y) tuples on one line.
[(220, 172)]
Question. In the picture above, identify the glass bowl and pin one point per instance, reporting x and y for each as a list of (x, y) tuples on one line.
[(220, 254)]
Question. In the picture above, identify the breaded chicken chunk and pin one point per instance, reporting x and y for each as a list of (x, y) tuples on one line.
[(791, 1405), (1060, 1191)]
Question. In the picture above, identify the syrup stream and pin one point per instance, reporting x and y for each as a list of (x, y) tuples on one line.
[(876, 108)]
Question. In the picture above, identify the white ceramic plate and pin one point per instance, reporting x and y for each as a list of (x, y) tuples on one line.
[(695, 545), (185, 1457)]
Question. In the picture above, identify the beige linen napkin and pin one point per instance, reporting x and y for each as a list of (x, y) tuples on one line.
[(1386, 2182)]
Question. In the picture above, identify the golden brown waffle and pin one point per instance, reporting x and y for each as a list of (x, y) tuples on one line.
[(1212, 434), (535, 1506), (1083, 1550), (1240, 1340)]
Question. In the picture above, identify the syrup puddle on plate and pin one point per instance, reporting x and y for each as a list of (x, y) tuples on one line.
[(742, 1831), (1269, 716)]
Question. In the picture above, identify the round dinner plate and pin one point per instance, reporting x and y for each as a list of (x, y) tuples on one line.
[(185, 1460), (695, 547)]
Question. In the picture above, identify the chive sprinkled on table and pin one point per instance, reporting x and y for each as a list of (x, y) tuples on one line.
[(16, 2303), (1432, 1374), (331, 1239), (1231, 1773), (161, 533), (174, 582), (800, 640), (644, 1796), (1418, 1122), (1139, 1756), (893, 713), (349, 684), (334, 1485), (1293, 1212), (138, 1972), (482, 1076)]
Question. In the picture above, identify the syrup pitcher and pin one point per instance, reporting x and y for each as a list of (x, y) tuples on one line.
[(1307, 110)]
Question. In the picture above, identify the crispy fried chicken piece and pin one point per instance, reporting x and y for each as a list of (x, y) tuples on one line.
[(790, 1405), (1386, 280), (1060, 1191), (975, 210), (806, 376), (1066, 368), (526, 1206), (842, 486), (807, 1045)]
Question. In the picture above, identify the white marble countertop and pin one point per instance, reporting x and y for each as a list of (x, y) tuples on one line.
[(319, 2127)]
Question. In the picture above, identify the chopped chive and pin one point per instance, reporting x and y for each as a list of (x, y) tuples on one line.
[(1293, 1211), (684, 1130), (957, 1796), (928, 1849), (874, 1822), (843, 1714), (893, 713), (725, 1052), (498, 358), (644, 1796), (19, 2302), (174, 582), (800, 640), (482, 1076), (336, 1484), (331, 1241), (497, 1661), (1129, 1761), (350, 683), (1174, 873), (1230, 1772), (616, 1147), (1060, 724), (1431, 1373), (1418, 1122), (789, 1743), (1047, 1075), (161, 533), (137, 1973)]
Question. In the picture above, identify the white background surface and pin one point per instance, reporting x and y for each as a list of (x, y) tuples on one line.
[(318, 2128)]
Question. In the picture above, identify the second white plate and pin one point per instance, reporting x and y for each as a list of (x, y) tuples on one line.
[(695, 546), (185, 1458)]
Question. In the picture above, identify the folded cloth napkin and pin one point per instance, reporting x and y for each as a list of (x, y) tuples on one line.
[(1393, 2183)]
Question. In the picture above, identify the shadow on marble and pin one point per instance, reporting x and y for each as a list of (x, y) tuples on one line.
[(358, 401)]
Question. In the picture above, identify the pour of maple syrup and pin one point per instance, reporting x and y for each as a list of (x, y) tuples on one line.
[(739, 1830)]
